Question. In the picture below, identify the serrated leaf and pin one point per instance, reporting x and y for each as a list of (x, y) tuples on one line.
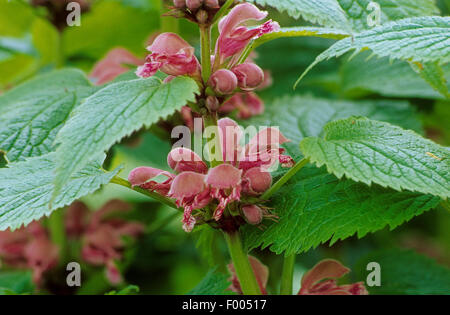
[(391, 79), (26, 189), (298, 31), (406, 272), (214, 283), (113, 113), (316, 207), (324, 12), (351, 15), (357, 11), (32, 114), (421, 39), (305, 116), (370, 151), (433, 73)]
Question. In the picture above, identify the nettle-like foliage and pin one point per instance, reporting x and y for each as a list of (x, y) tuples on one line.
[(347, 167)]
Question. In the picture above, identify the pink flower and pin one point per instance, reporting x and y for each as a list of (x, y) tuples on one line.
[(172, 55), (112, 65), (225, 182), (261, 274), (247, 104), (29, 247), (103, 234), (322, 280), (223, 82), (144, 178), (41, 255), (196, 186), (234, 36), (253, 214), (249, 75), (191, 192)]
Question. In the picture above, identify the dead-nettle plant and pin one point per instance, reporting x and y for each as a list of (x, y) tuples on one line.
[(266, 187)]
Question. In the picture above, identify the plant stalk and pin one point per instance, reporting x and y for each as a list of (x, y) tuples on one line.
[(244, 271), (168, 202), (283, 180), (205, 41), (287, 275), (57, 231), (215, 155)]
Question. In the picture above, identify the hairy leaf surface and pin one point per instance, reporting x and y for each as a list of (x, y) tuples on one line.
[(370, 151), (26, 189), (113, 113), (316, 207), (32, 114)]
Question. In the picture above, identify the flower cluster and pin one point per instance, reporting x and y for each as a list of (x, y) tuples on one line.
[(101, 234), (197, 11), (232, 72), (320, 280), (195, 186), (29, 247)]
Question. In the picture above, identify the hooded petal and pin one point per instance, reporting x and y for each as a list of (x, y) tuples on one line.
[(185, 160), (224, 176), (230, 135), (322, 280), (234, 37), (261, 273), (144, 178)]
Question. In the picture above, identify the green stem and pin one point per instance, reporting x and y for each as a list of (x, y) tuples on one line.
[(205, 38), (287, 275), (57, 231), (283, 180), (241, 264), (215, 154), (123, 182)]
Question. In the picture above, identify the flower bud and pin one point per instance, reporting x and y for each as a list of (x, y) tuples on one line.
[(194, 4), (212, 103), (257, 181), (179, 4), (223, 81), (253, 214), (249, 76), (212, 4), (202, 16)]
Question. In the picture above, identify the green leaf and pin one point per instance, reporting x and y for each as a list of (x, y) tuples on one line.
[(324, 12), (316, 207), (26, 189), (305, 116), (113, 113), (214, 283), (287, 32), (351, 14), (433, 73), (32, 114), (370, 151), (405, 272), (391, 10), (16, 282), (421, 39), (391, 79)]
